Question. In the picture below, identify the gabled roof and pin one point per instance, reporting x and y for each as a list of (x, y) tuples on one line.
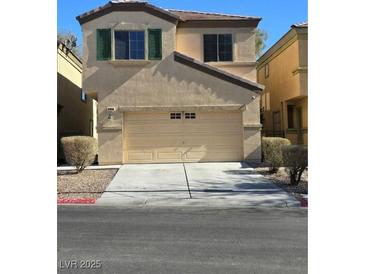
[(300, 25), (127, 6), (295, 29), (193, 19), (184, 18), (218, 73), (185, 15)]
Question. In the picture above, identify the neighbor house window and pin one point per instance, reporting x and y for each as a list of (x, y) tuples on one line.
[(190, 115), (290, 116), (267, 71), (82, 96), (129, 45), (175, 115), (103, 44), (217, 47)]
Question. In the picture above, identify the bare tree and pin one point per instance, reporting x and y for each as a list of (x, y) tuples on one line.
[(70, 40)]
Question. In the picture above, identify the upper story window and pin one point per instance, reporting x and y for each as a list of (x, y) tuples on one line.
[(128, 45), (103, 44), (218, 47), (154, 44)]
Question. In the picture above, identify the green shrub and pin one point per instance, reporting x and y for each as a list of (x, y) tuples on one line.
[(271, 151), (80, 151), (295, 158)]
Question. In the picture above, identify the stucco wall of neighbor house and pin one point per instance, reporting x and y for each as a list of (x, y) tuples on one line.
[(189, 41), (281, 85), (287, 82), (75, 115), (154, 85)]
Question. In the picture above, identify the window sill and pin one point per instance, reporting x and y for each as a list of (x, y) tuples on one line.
[(129, 62)]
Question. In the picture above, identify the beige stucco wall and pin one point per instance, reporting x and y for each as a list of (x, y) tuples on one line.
[(287, 82), (189, 41), (155, 85), (75, 115)]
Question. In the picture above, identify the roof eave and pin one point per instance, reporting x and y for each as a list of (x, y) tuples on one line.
[(219, 23), (216, 72), (127, 6)]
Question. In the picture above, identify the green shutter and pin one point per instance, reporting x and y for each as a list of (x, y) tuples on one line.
[(154, 44), (103, 44)]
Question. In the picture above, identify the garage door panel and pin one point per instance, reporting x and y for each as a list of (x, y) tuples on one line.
[(207, 140), (212, 128), (140, 155), (171, 156), (155, 138), (208, 155), (218, 115), (160, 141), (151, 128)]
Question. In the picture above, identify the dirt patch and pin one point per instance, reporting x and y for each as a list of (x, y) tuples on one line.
[(87, 184), (282, 180)]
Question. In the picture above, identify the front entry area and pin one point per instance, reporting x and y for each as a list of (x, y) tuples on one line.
[(171, 137)]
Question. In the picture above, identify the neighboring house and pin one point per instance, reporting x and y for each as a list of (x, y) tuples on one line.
[(283, 70), (172, 86), (76, 112)]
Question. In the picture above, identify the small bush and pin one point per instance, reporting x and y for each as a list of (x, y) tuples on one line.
[(80, 151), (271, 150), (295, 158)]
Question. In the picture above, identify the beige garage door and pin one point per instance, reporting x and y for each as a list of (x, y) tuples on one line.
[(151, 137)]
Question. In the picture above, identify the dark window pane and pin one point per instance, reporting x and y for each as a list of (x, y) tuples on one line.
[(225, 47), (140, 35), (137, 44), (121, 45), (103, 44), (290, 116), (210, 48), (154, 44)]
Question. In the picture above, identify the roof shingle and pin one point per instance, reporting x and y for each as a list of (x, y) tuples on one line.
[(197, 15), (186, 18)]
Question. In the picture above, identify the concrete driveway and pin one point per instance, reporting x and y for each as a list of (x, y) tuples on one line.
[(211, 184)]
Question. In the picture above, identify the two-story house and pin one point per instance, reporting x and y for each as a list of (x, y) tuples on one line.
[(172, 86), (283, 69)]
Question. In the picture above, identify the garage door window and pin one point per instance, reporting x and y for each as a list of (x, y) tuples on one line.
[(175, 115), (190, 115)]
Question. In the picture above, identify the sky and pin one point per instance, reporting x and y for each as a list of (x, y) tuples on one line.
[(277, 15)]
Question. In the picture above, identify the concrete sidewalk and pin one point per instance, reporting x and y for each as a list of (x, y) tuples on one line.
[(212, 184)]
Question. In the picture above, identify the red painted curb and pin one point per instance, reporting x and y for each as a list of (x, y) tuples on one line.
[(76, 201), (304, 202)]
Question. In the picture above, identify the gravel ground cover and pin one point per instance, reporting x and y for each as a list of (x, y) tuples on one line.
[(87, 184), (282, 180)]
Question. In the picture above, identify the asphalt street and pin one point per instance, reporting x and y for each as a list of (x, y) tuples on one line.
[(96, 239)]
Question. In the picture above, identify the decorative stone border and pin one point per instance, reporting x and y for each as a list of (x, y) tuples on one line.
[(76, 201)]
